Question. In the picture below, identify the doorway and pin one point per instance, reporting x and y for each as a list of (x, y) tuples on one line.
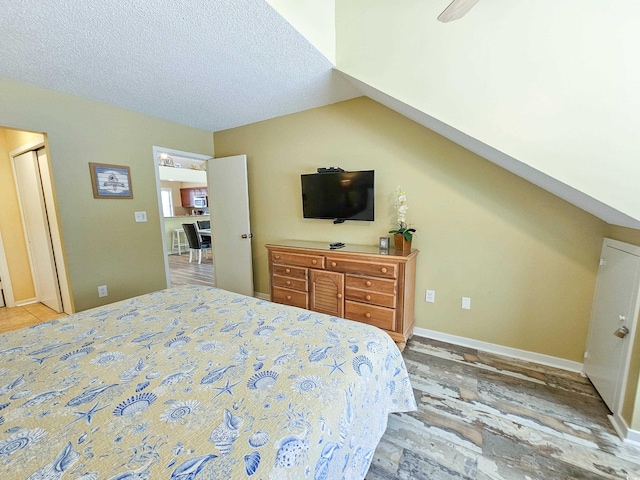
[(180, 176), (230, 229), (32, 265)]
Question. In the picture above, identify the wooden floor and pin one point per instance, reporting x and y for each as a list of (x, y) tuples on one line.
[(485, 417), (185, 273), (18, 317)]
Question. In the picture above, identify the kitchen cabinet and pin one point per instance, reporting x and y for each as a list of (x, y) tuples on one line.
[(188, 195), (358, 282)]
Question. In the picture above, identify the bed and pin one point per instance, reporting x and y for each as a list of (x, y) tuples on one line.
[(196, 383)]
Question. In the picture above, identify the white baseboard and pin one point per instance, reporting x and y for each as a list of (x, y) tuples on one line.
[(262, 296), (632, 437), (501, 350), (28, 301)]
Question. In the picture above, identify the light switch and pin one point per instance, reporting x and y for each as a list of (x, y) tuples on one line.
[(141, 216), (431, 296), (466, 303)]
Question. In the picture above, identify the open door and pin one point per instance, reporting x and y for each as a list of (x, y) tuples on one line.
[(613, 321), (230, 226)]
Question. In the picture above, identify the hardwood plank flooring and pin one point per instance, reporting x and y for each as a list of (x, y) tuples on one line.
[(185, 273), (486, 417)]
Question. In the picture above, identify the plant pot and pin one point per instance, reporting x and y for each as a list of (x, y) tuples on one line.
[(401, 243)]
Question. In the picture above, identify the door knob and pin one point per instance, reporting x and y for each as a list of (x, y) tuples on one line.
[(621, 332)]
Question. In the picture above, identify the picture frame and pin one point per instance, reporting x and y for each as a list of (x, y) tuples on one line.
[(383, 243), (110, 181)]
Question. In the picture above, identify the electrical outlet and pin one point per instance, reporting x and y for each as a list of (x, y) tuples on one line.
[(102, 291), (430, 296), (466, 303), (141, 216)]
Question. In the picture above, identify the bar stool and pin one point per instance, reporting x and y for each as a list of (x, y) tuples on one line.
[(176, 240)]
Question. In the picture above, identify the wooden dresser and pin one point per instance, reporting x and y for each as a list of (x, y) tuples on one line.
[(355, 282)]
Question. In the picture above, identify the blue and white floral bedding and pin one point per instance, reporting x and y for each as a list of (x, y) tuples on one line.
[(196, 383)]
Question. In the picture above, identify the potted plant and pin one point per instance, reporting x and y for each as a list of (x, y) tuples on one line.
[(403, 234)]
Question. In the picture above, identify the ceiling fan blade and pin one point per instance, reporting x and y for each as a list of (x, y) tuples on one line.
[(457, 9)]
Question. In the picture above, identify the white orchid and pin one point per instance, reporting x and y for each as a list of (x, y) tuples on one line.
[(401, 215)]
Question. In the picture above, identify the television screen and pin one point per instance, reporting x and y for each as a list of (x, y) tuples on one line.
[(338, 195)]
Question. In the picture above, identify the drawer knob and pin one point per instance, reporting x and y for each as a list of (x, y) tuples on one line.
[(288, 297), (383, 269), (277, 257), (287, 270), (314, 261), (368, 284), (368, 297), (288, 282), (334, 264), (339, 295), (368, 315)]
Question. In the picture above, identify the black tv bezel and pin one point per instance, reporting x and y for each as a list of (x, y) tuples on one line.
[(339, 219)]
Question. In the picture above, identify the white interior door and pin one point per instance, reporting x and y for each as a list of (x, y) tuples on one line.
[(615, 308), (230, 227), (36, 226)]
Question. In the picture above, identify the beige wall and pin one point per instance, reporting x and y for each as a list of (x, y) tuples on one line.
[(19, 138), (11, 226), (527, 259), (103, 243)]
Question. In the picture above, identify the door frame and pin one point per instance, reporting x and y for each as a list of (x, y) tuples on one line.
[(7, 288), (156, 155), (52, 218), (633, 322)]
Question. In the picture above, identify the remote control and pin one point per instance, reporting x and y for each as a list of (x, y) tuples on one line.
[(336, 244)]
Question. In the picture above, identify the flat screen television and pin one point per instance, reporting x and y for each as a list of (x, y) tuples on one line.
[(338, 195)]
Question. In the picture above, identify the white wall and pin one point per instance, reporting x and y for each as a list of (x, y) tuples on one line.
[(552, 84)]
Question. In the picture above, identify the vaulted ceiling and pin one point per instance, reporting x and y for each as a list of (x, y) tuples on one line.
[(541, 88)]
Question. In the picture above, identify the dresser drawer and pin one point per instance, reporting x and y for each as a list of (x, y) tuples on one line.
[(291, 272), (288, 282), (290, 297), (366, 267), (378, 316), (371, 283), (366, 296), (301, 259)]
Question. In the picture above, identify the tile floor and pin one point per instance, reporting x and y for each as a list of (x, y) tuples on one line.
[(18, 317)]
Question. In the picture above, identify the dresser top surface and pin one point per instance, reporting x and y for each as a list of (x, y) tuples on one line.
[(349, 247)]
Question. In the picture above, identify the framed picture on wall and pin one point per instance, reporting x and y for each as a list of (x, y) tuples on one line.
[(110, 181)]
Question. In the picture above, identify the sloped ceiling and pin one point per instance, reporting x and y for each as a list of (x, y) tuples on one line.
[(545, 89), (224, 63), (211, 65)]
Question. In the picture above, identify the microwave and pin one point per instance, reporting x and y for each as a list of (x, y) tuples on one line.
[(200, 202)]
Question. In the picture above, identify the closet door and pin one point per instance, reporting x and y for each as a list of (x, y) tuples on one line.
[(613, 321), (36, 225)]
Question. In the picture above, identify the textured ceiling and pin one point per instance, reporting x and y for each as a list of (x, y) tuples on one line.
[(208, 64)]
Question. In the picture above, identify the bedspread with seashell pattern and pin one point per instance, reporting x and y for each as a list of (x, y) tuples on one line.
[(196, 383)]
